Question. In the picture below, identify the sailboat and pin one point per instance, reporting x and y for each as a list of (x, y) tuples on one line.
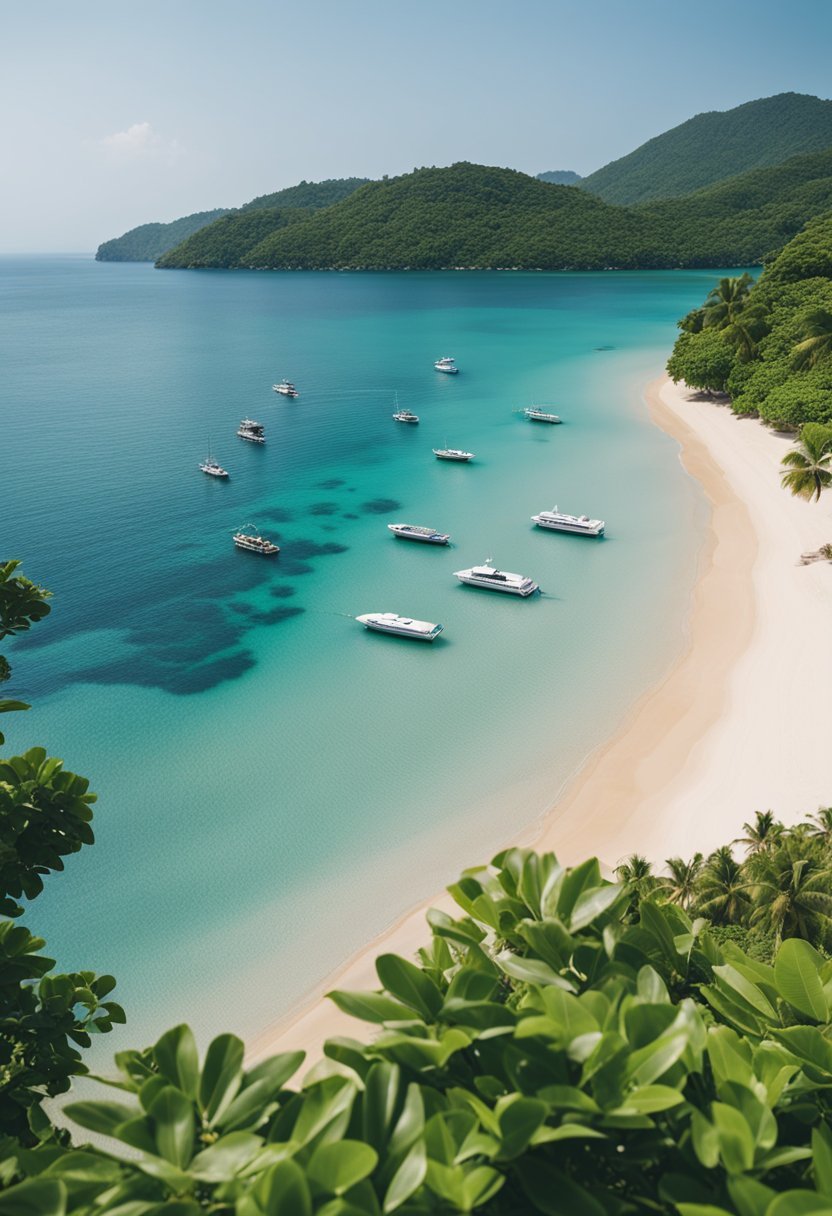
[(404, 415), (211, 467)]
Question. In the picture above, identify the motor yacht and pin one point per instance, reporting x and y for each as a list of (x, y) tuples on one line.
[(496, 580), (405, 416), (452, 454), (253, 431), (446, 364), (559, 521), (248, 538), (401, 626), (285, 388), (415, 532), (536, 413)]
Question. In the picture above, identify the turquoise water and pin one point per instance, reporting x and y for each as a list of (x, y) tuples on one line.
[(276, 785)]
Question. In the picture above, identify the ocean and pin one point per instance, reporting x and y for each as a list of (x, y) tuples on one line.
[(277, 785)]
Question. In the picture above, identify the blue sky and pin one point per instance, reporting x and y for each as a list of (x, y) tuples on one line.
[(115, 114)]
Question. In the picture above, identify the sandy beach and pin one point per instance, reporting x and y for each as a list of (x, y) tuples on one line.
[(740, 722)]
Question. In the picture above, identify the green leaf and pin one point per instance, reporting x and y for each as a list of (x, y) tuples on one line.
[(592, 904), (226, 1157), (797, 971), (100, 1117), (375, 1007), (283, 1191), (409, 984), (173, 1116), (176, 1057), (339, 1166), (651, 1062), (222, 1075), (750, 1197), (736, 1142), (35, 1197), (552, 1192), (799, 1203), (519, 1118), (382, 1088), (407, 1179), (531, 971), (822, 1158)]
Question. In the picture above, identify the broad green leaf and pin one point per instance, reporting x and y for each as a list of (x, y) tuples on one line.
[(651, 987), (531, 971), (339, 1166), (649, 1099), (705, 1140), (380, 1104), (736, 1142), (750, 1197), (100, 1117), (407, 1179), (35, 1197), (800, 1203), (822, 1159), (222, 1075), (283, 1191), (409, 984), (173, 1117), (574, 882), (593, 903), (177, 1059), (552, 1192), (572, 1015), (226, 1158), (375, 1007), (651, 1062), (797, 971), (326, 1106), (745, 990), (519, 1118)]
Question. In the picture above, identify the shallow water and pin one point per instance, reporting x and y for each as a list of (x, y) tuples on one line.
[(276, 785)]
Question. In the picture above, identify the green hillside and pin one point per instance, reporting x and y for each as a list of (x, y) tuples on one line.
[(772, 353), (149, 241), (226, 242), (714, 146), (559, 177), (475, 216)]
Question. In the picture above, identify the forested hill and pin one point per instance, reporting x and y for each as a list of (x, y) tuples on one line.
[(559, 177), (149, 241), (715, 146), (481, 217)]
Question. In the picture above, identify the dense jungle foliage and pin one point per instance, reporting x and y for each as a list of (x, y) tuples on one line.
[(716, 145), (564, 1045), (769, 345), (226, 242), (149, 241), (476, 216)]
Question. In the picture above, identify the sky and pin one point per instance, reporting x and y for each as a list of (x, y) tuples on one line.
[(115, 114)]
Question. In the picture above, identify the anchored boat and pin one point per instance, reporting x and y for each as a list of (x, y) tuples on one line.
[(285, 388), (415, 532), (452, 454), (253, 431), (536, 413), (491, 579), (401, 626), (249, 538), (446, 364), (559, 521)]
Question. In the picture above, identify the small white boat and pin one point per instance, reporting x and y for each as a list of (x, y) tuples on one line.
[(559, 521), (248, 538), (452, 454), (285, 388), (404, 415), (446, 364), (415, 532), (536, 413), (211, 467), (253, 431), (496, 580), (401, 626)]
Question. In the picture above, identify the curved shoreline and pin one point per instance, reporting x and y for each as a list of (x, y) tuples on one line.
[(683, 771)]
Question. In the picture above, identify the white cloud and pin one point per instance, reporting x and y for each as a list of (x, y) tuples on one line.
[(139, 142)]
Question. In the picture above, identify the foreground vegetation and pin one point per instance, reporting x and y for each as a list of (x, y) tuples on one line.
[(768, 345), (564, 1045)]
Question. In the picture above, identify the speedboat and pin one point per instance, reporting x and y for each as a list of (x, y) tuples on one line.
[(559, 521), (249, 539), (496, 580), (401, 626), (446, 364), (415, 532), (252, 431), (452, 454), (536, 413), (285, 388), (405, 416)]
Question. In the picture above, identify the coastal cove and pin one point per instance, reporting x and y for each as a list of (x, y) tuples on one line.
[(284, 785)]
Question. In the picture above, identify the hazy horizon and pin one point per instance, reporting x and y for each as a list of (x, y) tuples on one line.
[(116, 121)]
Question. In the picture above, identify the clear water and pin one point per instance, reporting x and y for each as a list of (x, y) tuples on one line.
[(277, 785)]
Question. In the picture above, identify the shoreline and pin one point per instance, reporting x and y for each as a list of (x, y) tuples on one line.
[(707, 746)]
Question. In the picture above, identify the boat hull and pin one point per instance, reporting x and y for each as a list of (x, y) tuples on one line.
[(453, 459), (396, 629), (572, 530), (524, 591), (435, 538)]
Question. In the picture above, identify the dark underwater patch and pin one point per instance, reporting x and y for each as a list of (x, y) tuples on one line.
[(332, 483), (313, 548), (274, 615), (349, 515), (380, 506), (281, 591), (323, 508), (280, 515)]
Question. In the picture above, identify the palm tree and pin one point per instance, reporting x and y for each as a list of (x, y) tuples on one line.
[(822, 825), (726, 301), (680, 885), (637, 873), (762, 834), (722, 889), (808, 467), (792, 888), (817, 340)]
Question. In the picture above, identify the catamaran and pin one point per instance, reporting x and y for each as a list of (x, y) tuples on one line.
[(446, 364), (414, 532), (496, 580), (249, 538), (559, 521), (401, 626)]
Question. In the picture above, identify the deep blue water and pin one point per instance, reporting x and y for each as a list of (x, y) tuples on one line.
[(275, 784)]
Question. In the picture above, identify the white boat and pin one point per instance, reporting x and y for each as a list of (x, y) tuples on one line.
[(401, 626), (211, 467), (452, 454), (496, 580), (248, 538), (536, 413), (446, 364), (252, 431), (559, 521), (404, 415), (285, 388), (415, 532)]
